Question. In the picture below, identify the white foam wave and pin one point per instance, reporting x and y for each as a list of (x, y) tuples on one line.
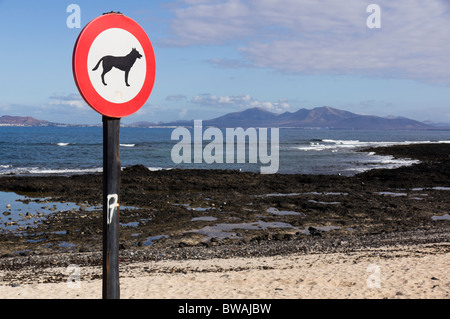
[(154, 169), (333, 145), (65, 171), (7, 169), (382, 163), (62, 144), (127, 145), (48, 171)]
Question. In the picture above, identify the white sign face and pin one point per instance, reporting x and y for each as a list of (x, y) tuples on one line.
[(116, 65)]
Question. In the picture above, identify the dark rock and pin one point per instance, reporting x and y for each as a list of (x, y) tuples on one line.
[(376, 220), (314, 231), (278, 236)]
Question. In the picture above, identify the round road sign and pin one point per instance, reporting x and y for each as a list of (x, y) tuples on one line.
[(114, 65)]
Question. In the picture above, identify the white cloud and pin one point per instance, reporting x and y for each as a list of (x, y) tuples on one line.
[(209, 22), (324, 37), (240, 102), (73, 100), (5, 108), (176, 97), (182, 114)]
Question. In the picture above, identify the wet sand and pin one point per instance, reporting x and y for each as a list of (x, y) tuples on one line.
[(211, 217)]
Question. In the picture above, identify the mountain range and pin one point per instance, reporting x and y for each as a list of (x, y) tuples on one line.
[(320, 117), (23, 121)]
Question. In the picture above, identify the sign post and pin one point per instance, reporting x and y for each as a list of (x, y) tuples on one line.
[(111, 181), (114, 70)]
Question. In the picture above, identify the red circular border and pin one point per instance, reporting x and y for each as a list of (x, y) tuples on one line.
[(80, 69)]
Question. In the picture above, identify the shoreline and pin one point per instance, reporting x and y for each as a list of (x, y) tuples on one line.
[(395, 272), (184, 217)]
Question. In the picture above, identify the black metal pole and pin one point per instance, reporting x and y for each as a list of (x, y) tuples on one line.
[(111, 179)]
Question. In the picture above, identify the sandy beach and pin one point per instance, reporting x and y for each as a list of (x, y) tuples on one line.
[(210, 234), (406, 272)]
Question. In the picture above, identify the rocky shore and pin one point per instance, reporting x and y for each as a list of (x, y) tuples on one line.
[(202, 214)]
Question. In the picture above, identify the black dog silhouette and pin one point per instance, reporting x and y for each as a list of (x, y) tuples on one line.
[(124, 63)]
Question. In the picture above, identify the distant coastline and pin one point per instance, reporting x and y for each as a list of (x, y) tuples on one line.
[(318, 118)]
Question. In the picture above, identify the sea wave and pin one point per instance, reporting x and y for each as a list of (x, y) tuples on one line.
[(335, 145), (8, 170), (127, 145), (65, 171), (382, 162), (154, 169), (47, 171)]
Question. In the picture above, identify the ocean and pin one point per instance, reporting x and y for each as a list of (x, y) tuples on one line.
[(75, 150)]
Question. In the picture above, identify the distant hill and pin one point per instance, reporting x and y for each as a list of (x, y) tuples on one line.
[(320, 117), (23, 121), (438, 125)]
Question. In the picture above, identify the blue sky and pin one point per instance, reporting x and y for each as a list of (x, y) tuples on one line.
[(216, 57)]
